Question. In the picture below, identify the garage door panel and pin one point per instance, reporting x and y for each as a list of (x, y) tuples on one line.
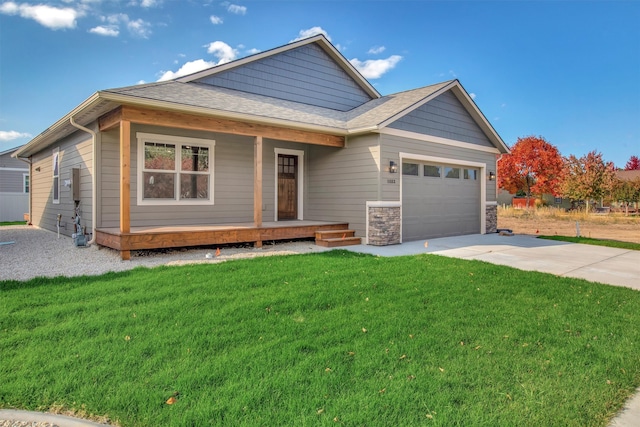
[(439, 207)]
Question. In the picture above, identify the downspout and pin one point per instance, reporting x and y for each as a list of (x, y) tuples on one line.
[(94, 186), (28, 161)]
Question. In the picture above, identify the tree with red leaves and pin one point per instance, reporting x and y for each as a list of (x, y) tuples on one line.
[(534, 166), (633, 164)]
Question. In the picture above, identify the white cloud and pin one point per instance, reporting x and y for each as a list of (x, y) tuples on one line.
[(375, 68), (313, 31), (376, 50), (222, 51), (472, 95), (139, 28), (215, 20), (149, 3), (237, 9), (12, 134), (106, 30), (253, 51), (188, 68), (55, 18)]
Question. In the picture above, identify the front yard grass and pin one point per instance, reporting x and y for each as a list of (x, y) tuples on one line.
[(596, 242), (322, 339)]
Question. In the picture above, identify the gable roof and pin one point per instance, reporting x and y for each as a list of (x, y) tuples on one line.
[(187, 95), (319, 40), (10, 150)]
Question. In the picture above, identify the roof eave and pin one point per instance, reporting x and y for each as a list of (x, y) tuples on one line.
[(41, 140)]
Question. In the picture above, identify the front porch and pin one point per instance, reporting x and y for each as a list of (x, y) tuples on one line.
[(138, 238)]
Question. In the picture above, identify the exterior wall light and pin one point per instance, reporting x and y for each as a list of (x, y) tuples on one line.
[(393, 167), (492, 176)]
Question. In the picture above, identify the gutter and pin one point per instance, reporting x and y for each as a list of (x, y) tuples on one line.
[(94, 186)]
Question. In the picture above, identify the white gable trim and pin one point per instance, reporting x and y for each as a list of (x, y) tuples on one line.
[(437, 140)]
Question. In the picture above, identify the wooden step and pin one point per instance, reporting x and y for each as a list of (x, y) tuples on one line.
[(333, 234), (338, 241)]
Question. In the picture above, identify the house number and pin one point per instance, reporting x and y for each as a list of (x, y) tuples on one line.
[(391, 181)]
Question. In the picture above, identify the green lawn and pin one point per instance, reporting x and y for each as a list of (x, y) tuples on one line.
[(597, 242), (322, 339), (4, 223)]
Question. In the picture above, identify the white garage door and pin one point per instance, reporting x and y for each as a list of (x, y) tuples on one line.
[(439, 200)]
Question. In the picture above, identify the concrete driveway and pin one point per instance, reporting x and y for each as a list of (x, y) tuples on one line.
[(620, 267)]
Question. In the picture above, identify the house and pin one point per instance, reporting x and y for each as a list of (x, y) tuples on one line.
[(273, 146), (14, 187)]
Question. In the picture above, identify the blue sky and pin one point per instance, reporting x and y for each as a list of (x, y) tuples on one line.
[(565, 70)]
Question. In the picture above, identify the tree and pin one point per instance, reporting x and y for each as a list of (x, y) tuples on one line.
[(534, 167), (633, 164), (627, 192), (588, 178)]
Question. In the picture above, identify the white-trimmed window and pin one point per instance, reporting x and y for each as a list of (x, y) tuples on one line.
[(432, 171), (55, 166), (471, 174), (25, 182), (174, 170)]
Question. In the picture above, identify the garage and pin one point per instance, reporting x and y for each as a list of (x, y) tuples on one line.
[(439, 200)]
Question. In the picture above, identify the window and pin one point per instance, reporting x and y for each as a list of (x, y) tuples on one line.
[(25, 182), (410, 169), (471, 174), (431, 170), (452, 173), (174, 170), (56, 175)]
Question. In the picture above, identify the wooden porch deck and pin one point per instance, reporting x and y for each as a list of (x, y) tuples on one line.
[(204, 235)]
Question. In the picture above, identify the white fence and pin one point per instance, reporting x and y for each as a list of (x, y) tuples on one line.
[(13, 206)]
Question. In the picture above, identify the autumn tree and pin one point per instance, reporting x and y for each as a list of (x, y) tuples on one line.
[(633, 164), (588, 178), (534, 167), (627, 192)]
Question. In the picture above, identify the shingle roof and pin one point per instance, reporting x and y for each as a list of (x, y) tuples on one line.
[(223, 100)]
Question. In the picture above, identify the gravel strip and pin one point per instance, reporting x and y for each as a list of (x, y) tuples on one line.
[(27, 252), (14, 423)]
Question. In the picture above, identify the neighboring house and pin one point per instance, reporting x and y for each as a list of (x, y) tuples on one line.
[(507, 199), (14, 187), (272, 146)]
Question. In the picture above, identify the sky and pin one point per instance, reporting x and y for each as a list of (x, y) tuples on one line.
[(565, 70)]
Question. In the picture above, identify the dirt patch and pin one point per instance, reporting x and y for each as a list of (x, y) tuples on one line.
[(596, 227)]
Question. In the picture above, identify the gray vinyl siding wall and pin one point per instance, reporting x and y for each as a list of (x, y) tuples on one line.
[(307, 75), (392, 145), (444, 117), (12, 181), (232, 183), (75, 152), (341, 181)]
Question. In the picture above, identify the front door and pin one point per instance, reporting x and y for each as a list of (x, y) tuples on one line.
[(287, 187)]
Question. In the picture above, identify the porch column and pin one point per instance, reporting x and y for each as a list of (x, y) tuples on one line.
[(257, 187), (125, 183)]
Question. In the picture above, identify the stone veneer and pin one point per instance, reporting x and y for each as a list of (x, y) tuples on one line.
[(491, 218), (384, 222)]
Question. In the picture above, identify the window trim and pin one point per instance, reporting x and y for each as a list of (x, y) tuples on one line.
[(178, 141), (55, 160), (424, 175), (26, 183)]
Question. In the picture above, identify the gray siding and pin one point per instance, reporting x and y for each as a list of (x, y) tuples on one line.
[(444, 117), (306, 74), (75, 152), (12, 181), (232, 180), (341, 181), (392, 145)]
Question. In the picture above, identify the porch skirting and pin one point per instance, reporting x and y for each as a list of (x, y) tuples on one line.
[(205, 235)]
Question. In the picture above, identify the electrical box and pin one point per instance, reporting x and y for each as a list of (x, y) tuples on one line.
[(75, 184)]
